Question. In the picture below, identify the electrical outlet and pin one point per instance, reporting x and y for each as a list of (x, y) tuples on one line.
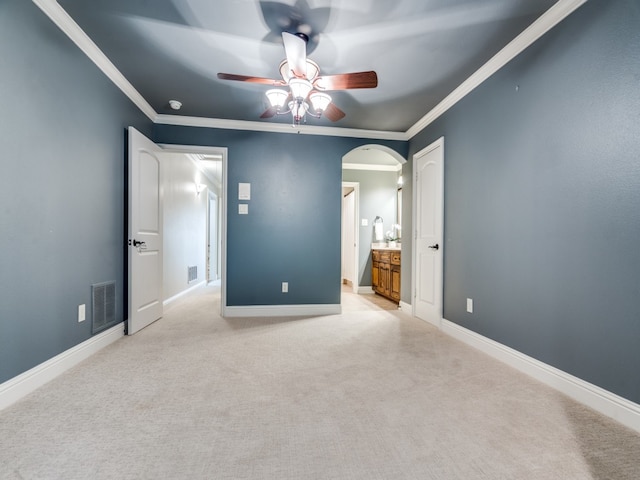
[(285, 287), (81, 313), (469, 305)]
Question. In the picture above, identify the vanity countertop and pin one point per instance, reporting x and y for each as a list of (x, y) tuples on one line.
[(384, 246)]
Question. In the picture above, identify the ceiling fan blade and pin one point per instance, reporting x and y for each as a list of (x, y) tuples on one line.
[(269, 112), (346, 81), (333, 113), (245, 78), (295, 49), (300, 17)]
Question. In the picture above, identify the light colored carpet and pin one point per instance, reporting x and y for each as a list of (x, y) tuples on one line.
[(368, 394)]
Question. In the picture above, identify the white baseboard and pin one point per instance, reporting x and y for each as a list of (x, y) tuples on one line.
[(18, 387), (406, 307), (281, 310), (599, 399), (365, 290), (182, 293)]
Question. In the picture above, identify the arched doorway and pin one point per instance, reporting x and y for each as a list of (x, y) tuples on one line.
[(371, 179)]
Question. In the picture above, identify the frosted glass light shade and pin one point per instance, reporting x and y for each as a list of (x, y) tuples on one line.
[(300, 88), (277, 97), (320, 101)]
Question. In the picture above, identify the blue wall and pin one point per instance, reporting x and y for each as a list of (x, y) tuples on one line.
[(542, 199), (62, 130), (292, 232)]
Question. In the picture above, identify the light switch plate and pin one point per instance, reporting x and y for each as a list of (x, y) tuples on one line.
[(364, 222), (244, 191), (81, 313), (469, 305), (243, 208)]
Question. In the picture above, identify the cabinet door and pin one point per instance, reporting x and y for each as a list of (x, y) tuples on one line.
[(375, 275), (384, 279), (394, 282)]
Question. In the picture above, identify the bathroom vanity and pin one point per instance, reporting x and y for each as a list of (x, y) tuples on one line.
[(385, 272)]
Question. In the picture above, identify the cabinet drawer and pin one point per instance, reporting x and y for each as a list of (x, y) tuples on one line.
[(375, 255), (395, 258), (385, 257)]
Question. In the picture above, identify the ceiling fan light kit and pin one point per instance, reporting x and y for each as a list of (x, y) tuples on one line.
[(307, 88)]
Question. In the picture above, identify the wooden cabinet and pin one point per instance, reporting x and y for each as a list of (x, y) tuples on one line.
[(385, 273)]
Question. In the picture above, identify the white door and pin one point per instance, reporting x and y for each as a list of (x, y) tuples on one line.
[(145, 233), (428, 188)]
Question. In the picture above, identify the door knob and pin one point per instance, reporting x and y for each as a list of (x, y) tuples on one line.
[(138, 244), (434, 247)]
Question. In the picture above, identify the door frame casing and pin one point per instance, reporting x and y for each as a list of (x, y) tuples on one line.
[(213, 198), (439, 143)]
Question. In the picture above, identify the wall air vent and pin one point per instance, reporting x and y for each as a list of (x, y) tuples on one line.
[(103, 303), (192, 274)]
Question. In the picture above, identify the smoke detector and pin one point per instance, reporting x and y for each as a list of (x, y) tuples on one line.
[(175, 104)]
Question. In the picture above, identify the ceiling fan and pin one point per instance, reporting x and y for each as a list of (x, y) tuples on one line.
[(306, 93)]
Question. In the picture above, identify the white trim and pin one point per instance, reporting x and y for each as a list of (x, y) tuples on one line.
[(599, 399), (277, 127), (223, 199), (365, 290), (282, 310), (183, 293), (18, 387), (537, 29), (382, 148), (406, 307), (62, 19), (369, 166)]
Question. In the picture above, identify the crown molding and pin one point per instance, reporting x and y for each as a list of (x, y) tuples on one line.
[(65, 23), (537, 29), (277, 127)]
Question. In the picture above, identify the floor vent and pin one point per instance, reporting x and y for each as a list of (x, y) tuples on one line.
[(103, 303), (193, 274)]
